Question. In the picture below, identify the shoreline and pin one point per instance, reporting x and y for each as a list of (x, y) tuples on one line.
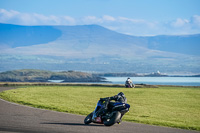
[(7, 84)]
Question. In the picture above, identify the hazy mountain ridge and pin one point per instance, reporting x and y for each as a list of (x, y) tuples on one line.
[(18, 36), (185, 44), (100, 49), (83, 36)]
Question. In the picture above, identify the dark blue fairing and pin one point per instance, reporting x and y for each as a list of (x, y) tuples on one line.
[(118, 104), (99, 106), (122, 107), (126, 105)]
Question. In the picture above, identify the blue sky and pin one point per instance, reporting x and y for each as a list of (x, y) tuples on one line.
[(133, 17)]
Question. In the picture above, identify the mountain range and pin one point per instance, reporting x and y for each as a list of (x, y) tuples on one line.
[(97, 49)]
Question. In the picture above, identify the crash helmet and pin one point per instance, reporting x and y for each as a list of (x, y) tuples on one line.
[(121, 97), (121, 94)]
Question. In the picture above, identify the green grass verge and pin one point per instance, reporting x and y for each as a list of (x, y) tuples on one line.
[(165, 106)]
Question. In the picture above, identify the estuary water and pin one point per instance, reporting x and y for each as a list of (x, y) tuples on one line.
[(182, 81)]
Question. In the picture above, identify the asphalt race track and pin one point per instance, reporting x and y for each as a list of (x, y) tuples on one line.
[(16, 118)]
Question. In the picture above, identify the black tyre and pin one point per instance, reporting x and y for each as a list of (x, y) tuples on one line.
[(114, 118), (88, 119)]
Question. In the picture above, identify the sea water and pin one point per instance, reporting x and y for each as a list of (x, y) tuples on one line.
[(182, 81)]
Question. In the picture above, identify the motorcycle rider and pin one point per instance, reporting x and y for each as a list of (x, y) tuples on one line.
[(129, 82), (120, 97)]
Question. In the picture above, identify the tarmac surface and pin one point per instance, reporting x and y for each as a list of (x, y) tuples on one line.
[(15, 118)]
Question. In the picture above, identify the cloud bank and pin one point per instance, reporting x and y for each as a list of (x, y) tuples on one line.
[(131, 26)]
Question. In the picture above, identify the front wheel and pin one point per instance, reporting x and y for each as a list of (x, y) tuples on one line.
[(88, 119), (113, 119)]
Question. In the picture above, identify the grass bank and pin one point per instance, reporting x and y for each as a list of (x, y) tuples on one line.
[(165, 106)]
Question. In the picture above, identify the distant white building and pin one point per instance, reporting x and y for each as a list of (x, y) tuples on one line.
[(158, 72)]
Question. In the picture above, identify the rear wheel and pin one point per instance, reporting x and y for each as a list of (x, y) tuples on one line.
[(113, 119), (88, 119)]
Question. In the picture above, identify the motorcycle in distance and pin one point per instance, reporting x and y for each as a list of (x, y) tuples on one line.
[(111, 116), (129, 85)]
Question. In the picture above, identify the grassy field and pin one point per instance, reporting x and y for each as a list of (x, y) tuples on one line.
[(165, 106)]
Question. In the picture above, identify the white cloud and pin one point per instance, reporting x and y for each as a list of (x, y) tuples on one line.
[(180, 22), (5, 15), (69, 19), (15, 17), (108, 18), (196, 20), (132, 26), (184, 26), (131, 20), (90, 20)]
